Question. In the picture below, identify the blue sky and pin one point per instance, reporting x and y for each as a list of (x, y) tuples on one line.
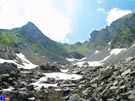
[(64, 20)]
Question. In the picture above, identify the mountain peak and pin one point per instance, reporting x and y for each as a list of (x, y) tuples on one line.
[(31, 31), (30, 25)]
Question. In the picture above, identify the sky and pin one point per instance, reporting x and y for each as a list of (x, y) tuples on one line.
[(66, 21)]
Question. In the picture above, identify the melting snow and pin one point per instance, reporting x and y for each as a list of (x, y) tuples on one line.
[(133, 45), (56, 76), (91, 63), (63, 76), (116, 51), (64, 70), (113, 52), (97, 51), (8, 89), (109, 43), (4, 60), (74, 59), (38, 85), (99, 63), (71, 59), (26, 63)]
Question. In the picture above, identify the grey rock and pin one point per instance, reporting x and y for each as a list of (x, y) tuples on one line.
[(30, 87), (9, 68), (48, 68), (75, 97), (104, 74), (86, 93), (129, 59), (126, 72)]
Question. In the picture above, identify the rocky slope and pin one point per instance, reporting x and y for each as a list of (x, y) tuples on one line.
[(106, 74), (30, 41), (40, 49), (112, 82), (120, 34)]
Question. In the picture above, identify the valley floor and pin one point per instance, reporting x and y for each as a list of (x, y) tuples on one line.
[(109, 82)]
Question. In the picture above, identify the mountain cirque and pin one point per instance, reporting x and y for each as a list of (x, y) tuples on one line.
[(36, 68)]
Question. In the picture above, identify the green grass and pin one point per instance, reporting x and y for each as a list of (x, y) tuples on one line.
[(10, 38)]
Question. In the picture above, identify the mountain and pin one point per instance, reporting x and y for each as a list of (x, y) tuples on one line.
[(37, 47), (120, 34), (30, 41), (108, 66)]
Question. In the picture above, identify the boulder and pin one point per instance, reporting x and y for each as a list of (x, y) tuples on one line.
[(129, 59), (75, 97), (106, 73), (48, 68), (9, 68), (30, 87)]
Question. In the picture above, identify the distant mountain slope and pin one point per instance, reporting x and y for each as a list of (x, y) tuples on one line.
[(120, 34), (38, 48), (30, 41)]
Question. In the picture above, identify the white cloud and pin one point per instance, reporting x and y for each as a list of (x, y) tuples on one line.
[(70, 4), (99, 1), (100, 9), (14, 13), (115, 14)]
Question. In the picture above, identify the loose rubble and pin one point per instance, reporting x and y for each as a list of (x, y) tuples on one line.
[(110, 82)]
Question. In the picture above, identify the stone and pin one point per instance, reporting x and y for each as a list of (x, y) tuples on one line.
[(131, 92), (115, 83), (86, 64), (132, 73), (4, 77), (85, 93), (113, 88), (94, 85), (30, 87), (75, 97), (129, 59), (104, 74), (126, 72), (66, 91), (4, 85), (21, 85), (131, 97), (49, 67)]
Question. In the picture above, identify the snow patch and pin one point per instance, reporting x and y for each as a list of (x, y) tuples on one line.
[(74, 59), (26, 63), (57, 76), (133, 45), (109, 43), (116, 51), (99, 63), (8, 89), (63, 76), (71, 59), (113, 52), (9, 61), (38, 86), (32, 99), (91, 63), (64, 70), (97, 51)]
